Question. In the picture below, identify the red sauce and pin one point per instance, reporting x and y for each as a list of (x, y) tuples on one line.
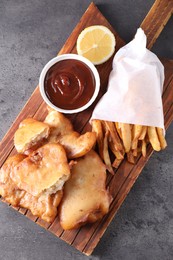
[(69, 84)]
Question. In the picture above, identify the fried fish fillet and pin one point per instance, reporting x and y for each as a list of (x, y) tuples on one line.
[(29, 134), (85, 197), (44, 206), (8, 188), (60, 125), (43, 171), (61, 131)]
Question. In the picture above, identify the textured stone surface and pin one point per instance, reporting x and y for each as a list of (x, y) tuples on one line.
[(31, 33)]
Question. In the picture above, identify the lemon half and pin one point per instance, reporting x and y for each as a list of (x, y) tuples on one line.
[(96, 43)]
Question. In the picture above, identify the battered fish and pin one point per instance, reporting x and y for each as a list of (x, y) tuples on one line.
[(8, 189), (85, 197), (43, 171), (61, 131), (29, 134), (44, 206)]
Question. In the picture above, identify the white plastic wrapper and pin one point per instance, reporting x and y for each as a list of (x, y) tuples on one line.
[(135, 86)]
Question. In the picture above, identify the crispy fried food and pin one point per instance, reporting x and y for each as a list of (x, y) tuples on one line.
[(42, 172), (118, 127), (77, 145), (106, 156), (161, 137), (60, 125), (130, 157), (62, 132), (135, 151), (116, 163), (114, 135), (153, 138), (44, 206), (137, 129), (85, 196), (143, 133), (118, 154), (97, 128), (126, 136), (8, 189), (144, 147), (29, 134)]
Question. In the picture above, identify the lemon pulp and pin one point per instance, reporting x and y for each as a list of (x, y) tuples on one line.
[(96, 43)]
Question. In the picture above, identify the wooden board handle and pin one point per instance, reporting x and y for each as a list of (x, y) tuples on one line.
[(156, 19)]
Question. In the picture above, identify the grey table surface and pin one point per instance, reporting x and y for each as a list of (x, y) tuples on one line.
[(31, 33)]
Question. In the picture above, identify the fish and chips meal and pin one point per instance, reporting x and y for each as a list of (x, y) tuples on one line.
[(58, 171)]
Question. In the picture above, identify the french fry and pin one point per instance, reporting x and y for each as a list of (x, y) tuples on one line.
[(146, 137), (126, 136), (114, 135), (116, 163), (144, 146), (161, 136), (106, 156), (104, 126), (118, 125), (118, 154), (134, 144), (143, 133), (136, 133), (97, 128), (130, 157), (118, 128), (153, 138), (135, 152)]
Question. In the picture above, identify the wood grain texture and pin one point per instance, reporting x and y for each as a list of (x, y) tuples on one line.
[(157, 18), (86, 238)]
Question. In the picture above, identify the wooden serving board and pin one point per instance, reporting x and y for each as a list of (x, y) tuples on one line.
[(86, 238)]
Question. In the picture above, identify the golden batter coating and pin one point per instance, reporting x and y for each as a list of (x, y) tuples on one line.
[(61, 131), (85, 196), (60, 125), (43, 206), (30, 133), (43, 172), (36, 181), (8, 188)]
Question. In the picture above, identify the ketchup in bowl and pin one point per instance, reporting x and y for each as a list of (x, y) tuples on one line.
[(69, 84)]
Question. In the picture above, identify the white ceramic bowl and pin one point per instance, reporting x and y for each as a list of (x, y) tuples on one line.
[(66, 57)]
